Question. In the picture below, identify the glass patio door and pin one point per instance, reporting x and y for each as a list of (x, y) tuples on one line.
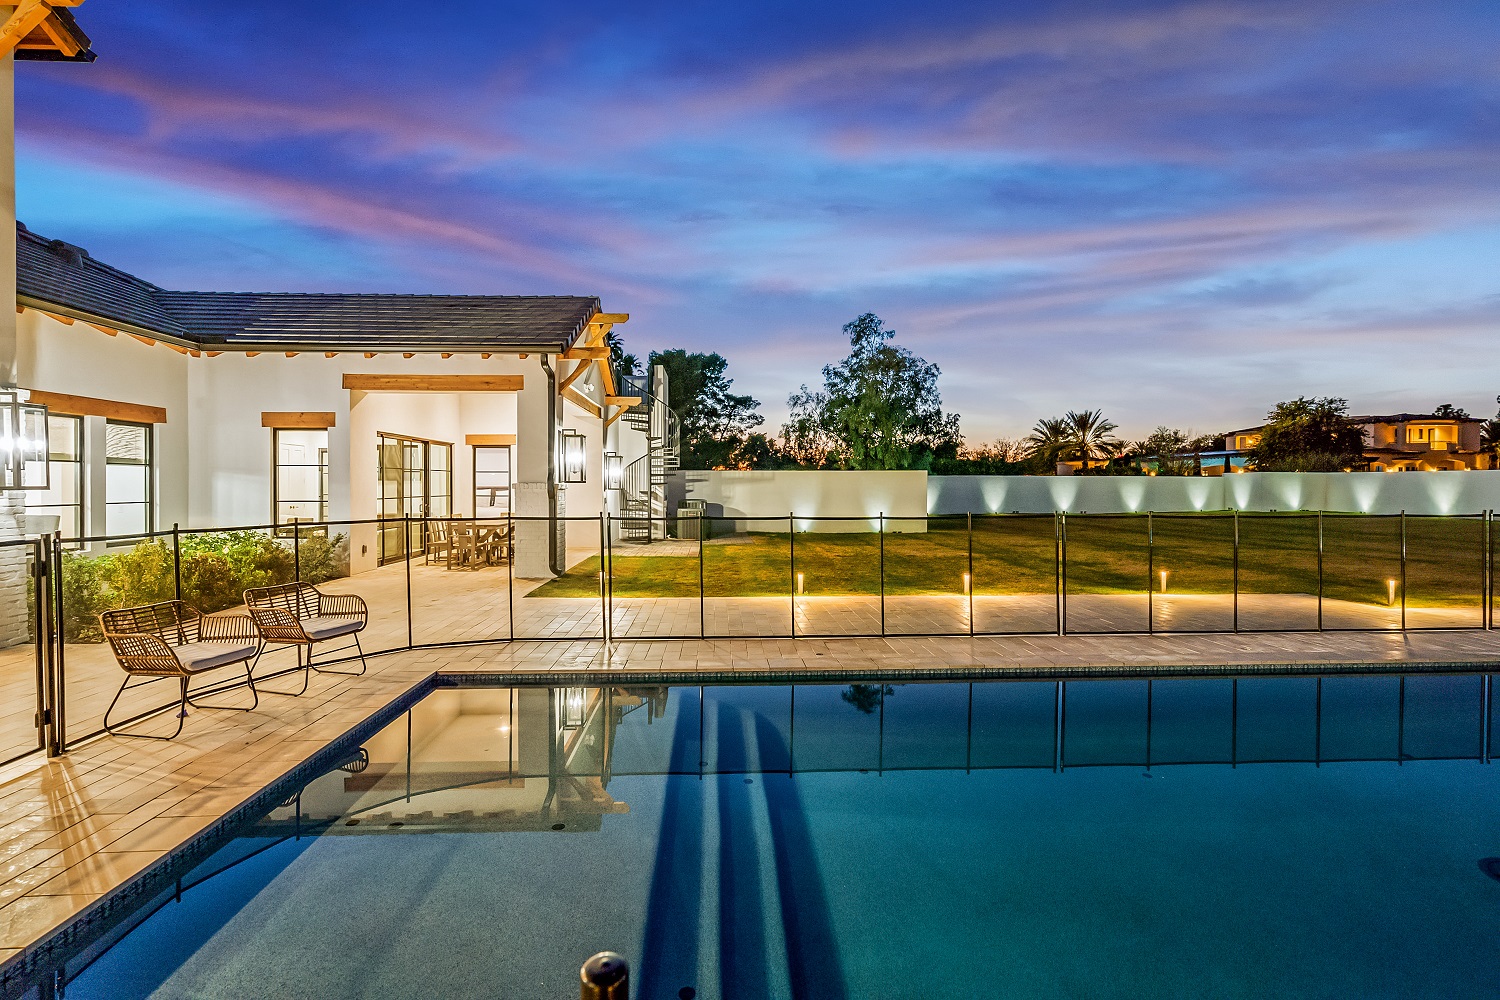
[(416, 481)]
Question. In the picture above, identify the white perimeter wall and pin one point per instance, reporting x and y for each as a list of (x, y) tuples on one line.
[(1363, 492), (863, 495)]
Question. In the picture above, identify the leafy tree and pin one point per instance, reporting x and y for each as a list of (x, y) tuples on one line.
[(623, 362), (715, 421), (1310, 435), (866, 697), (879, 408), (1451, 412), (1091, 436), (1049, 441), (1489, 432), (1005, 457), (1173, 452)]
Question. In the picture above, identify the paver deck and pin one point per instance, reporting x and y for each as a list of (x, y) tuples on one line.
[(75, 829)]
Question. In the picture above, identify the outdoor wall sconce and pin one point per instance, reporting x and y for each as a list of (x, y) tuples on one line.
[(614, 471), (23, 443), (574, 457), (573, 703)]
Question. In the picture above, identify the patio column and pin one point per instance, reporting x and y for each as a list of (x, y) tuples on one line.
[(537, 542), (14, 581)]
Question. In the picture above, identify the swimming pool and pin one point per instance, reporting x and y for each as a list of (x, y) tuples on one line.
[(1253, 836)]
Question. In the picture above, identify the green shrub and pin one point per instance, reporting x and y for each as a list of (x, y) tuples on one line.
[(323, 558), (85, 584), (209, 582)]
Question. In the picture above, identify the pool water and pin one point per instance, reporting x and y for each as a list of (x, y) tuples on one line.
[(1287, 837)]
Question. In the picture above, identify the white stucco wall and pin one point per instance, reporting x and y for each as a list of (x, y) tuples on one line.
[(81, 361), (808, 494), (1363, 492)]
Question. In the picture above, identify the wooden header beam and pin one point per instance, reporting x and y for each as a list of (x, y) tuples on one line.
[(299, 420), (435, 383), (490, 440), (88, 406)]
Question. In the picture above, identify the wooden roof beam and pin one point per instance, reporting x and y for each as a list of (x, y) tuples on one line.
[(578, 369), (28, 14)]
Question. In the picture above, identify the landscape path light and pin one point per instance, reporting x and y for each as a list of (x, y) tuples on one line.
[(1163, 581)]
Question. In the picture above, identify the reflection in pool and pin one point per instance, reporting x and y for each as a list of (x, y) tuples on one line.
[(1038, 839)]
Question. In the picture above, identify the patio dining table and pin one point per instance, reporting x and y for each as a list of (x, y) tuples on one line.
[(473, 543)]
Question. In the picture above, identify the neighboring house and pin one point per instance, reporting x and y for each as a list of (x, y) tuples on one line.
[(235, 408), (1397, 442)]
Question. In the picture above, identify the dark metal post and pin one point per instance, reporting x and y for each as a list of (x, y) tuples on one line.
[(1320, 573), (791, 548), (1236, 571), (406, 558), (510, 569), (176, 561), (703, 523), (882, 574), (971, 580), (606, 976), (59, 645), (1403, 571), (1062, 573), (604, 621), (609, 568), (1150, 574), (297, 550), (41, 625)]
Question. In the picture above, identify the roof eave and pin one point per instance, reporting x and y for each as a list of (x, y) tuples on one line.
[(83, 316)]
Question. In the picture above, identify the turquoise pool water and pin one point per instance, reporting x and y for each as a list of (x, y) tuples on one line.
[(1257, 837)]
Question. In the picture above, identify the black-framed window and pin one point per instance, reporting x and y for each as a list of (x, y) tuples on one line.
[(63, 499), (128, 493), (299, 483), (491, 480)]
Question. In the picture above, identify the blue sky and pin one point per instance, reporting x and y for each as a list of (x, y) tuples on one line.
[(1180, 212)]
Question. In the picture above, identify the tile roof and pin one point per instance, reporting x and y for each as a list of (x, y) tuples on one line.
[(57, 274)]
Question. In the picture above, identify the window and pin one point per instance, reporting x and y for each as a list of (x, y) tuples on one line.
[(127, 478), (491, 480), (300, 485), (60, 507)]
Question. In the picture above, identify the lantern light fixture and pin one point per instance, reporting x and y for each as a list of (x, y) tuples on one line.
[(23, 443), (614, 470), (574, 702), (574, 456)]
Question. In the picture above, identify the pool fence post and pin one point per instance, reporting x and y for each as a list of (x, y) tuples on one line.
[(1236, 582), (1487, 583), (791, 553), (406, 558), (510, 570), (882, 574), (176, 561), (60, 675), (296, 551), (1320, 571), (40, 623), (1150, 573), (605, 976), (604, 621), (703, 523), (971, 578), (1062, 572), (1403, 571)]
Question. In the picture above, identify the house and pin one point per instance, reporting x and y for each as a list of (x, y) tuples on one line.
[(1397, 442), (236, 408)]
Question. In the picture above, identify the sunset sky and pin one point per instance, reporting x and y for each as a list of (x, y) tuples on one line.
[(1180, 212)]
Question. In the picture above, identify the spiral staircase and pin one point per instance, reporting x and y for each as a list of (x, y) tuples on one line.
[(643, 495)]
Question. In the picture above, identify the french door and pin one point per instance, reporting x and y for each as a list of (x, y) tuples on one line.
[(416, 481)]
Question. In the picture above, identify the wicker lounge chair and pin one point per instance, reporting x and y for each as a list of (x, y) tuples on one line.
[(301, 616), (170, 639)]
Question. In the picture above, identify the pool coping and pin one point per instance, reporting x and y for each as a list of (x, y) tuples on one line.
[(36, 962)]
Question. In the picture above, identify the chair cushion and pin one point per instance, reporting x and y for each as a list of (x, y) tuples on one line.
[(197, 656), (327, 626)]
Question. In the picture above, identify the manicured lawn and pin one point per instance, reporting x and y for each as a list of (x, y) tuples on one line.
[(1105, 555)]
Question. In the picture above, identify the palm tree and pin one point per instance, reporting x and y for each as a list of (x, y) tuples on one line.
[(1048, 440), (1090, 436)]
